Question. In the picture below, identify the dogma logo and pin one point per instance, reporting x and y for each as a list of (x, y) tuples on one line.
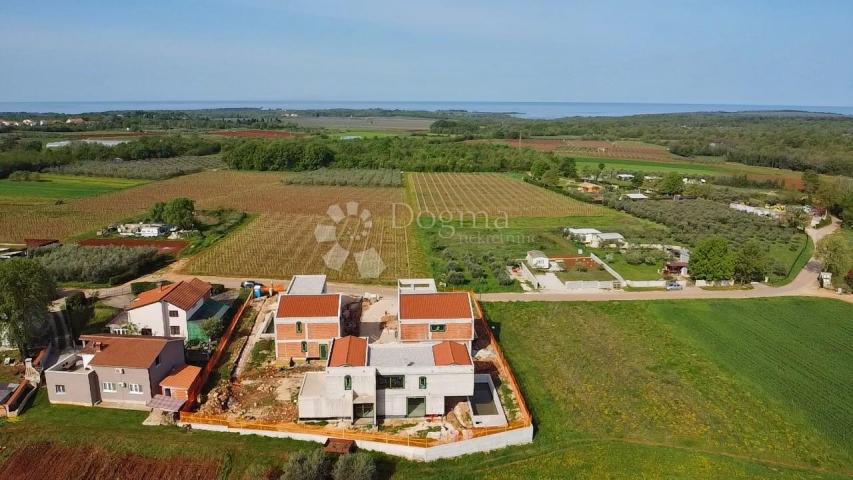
[(349, 227)]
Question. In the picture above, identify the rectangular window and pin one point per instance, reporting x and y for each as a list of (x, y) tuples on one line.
[(298, 327), (303, 347), (391, 382), (121, 331), (347, 382), (422, 383), (60, 389), (174, 330), (173, 313), (136, 388), (438, 328), (109, 387)]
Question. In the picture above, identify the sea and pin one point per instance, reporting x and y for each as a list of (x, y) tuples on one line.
[(531, 110)]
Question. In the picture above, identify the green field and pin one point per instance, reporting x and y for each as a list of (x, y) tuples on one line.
[(56, 187), (649, 166), (666, 389)]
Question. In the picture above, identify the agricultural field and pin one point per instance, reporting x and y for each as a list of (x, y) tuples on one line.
[(267, 134), (354, 177), (663, 389), (150, 169), (61, 187), (593, 148), (463, 195)]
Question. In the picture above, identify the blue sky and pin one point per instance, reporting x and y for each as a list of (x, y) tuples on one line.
[(748, 52)]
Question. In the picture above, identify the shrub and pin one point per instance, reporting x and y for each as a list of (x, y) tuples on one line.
[(354, 466), (634, 258), (455, 278), (138, 287), (779, 269), (213, 328), (304, 465)]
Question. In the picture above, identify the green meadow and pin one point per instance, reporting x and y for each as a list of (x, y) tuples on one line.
[(56, 187)]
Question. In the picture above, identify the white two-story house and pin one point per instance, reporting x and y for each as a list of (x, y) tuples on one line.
[(363, 382), (168, 311)]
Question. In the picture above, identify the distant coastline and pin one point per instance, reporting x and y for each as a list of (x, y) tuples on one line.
[(531, 110)]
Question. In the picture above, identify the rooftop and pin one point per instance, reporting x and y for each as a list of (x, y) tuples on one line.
[(131, 351), (422, 306), (183, 294), (536, 254), (307, 285), (416, 285), (302, 306), (610, 236), (181, 377), (400, 355), (583, 231), (450, 353), (349, 351)]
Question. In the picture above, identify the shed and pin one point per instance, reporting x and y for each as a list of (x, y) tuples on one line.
[(537, 259)]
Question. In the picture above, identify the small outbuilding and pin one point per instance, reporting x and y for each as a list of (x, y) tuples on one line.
[(607, 238), (537, 259), (633, 197)]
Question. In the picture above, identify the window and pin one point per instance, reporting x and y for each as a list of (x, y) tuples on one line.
[(391, 382), (298, 327), (174, 330), (347, 382), (146, 331), (422, 383), (136, 388), (109, 387), (439, 328), (157, 361), (60, 389), (173, 313), (303, 347), (121, 331)]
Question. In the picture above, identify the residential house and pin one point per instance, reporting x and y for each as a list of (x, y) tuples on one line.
[(607, 238), (426, 316), (625, 176), (305, 325), (537, 259), (177, 310), (676, 268), (307, 285), (150, 230), (114, 370), (363, 382), (588, 187), (584, 235), (75, 121)]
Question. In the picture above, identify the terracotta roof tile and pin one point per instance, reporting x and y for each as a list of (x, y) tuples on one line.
[(349, 351), (130, 351), (302, 306), (181, 377), (419, 306), (450, 353), (183, 294)]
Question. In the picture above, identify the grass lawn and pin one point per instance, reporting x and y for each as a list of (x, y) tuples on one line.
[(733, 389), (103, 314), (642, 271), (588, 275), (58, 187), (648, 166)]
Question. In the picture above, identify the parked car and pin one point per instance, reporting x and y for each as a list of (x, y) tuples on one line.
[(250, 284), (674, 286)]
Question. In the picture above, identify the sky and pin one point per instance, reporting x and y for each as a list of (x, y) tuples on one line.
[(773, 52)]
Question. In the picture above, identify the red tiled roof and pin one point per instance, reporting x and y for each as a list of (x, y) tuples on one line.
[(417, 306), (349, 351), (181, 377), (308, 305), (183, 294), (450, 353), (131, 351)]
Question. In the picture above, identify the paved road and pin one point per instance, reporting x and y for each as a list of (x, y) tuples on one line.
[(805, 284)]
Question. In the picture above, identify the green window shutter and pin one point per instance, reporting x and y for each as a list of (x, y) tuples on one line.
[(347, 382), (422, 383), (304, 347), (298, 327)]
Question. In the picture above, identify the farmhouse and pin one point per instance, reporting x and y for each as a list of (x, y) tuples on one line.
[(113, 370), (588, 187), (363, 382), (176, 310), (537, 259)]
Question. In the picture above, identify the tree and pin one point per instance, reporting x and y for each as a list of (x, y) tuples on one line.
[(751, 263), (671, 184), (304, 465), (834, 252), (213, 328), (811, 182), (155, 214), (539, 167), (79, 311), (795, 217), (712, 260), (26, 290), (551, 176), (600, 170), (180, 212), (354, 466), (637, 181), (568, 168)]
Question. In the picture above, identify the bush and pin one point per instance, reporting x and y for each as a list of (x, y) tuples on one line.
[(455, 278), (634, 258), (304, 465), (216, 288), (354, 466), (138, 287), (213, 328), (779, 269)]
